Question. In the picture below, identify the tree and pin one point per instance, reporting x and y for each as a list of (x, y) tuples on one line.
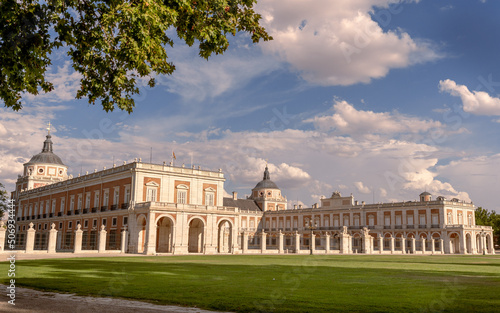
[(483, 217), (3, 200), (111, 43)]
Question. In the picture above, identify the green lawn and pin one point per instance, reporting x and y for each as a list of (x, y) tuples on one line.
[(341, 283)]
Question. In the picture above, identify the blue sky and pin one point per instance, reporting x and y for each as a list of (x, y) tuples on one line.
[(381, 99)]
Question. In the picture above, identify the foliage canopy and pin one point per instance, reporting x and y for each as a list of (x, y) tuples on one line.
[(111, 43)]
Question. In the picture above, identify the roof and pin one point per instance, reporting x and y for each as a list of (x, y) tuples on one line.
[(425, 193), (266, 182), (47, 155), (244, 204)]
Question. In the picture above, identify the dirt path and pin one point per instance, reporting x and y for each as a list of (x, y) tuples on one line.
[(28, 300)]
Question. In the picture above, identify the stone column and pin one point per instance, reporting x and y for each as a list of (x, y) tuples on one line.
[(365, 246), (51, 245), (380, 243), (433, 249), (423, 245), (344, 243), (2, 236), (245, 242), (327, 243), (151, 234), (297, 242), (441, 246), (78, 239), (312, 242), (280, 242), (463, 243), (392, 244), (413, 245), (403, 244), (102, 239), (263, 242), (30, 239), (124, 240)]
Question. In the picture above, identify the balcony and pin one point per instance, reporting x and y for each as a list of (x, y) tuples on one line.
[(45, 215), (398, 227), (27, 218), (387, 227), (32, 217), (94, 210), (85, 211), (410, 226), (59, 213), (114, 207), (38, 216), (69, 213), (356, 227), (18, 219), (22, 218), (51, 215), (104, 208), (124, 206), (435, 226), (422, 226), (77, 212)]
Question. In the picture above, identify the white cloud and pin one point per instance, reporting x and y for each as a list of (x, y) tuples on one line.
[(338, 42), (66, 83), (347, 120), (475, 102), (361, 187)]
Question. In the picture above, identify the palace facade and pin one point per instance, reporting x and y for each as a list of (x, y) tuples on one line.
[(162, 209)]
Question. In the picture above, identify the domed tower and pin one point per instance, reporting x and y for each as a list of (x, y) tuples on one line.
[(425, 196), (43, 169), (267, 195)]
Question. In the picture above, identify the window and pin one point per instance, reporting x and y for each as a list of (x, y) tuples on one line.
[(60, 225), (116, 197), (70, 224), (470, 219), (336, 222), (356, 220), (450, 218), (72, 203), (371, 220), (96, 199), (398, 220), (53, 210), (387, 220), (113, 221), (104, 221), (80, 200), (105, 200), (47, 205), (435, 219), (39, 226), (410, 219), (422, 219), (36, 209), (209, 198), (94, 223), (62, 204), (181, 196), (125, 220), (31, 210), (87, 200), (45, 226), (127, 195), (346, 220), (460, 219), (151, 194), (86, 223)]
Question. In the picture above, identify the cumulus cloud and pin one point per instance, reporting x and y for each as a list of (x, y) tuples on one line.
[(66, 83), (475, 102), (340, 42), (361, 187), (347, 120)]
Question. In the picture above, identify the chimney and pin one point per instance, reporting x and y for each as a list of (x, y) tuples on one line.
[(235, 195), (295, 207), (300, 206), (356, 202)]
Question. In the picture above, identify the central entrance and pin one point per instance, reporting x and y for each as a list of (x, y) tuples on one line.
[(164, 235)]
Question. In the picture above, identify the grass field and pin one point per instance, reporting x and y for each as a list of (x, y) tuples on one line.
[(342, 283)]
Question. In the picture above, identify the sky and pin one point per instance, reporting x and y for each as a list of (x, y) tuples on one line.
[(379, 99)]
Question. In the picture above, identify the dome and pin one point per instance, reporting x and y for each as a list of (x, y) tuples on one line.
[(266, 182), (46, 156), (425, 193)]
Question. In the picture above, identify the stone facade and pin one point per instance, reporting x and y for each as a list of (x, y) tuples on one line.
[(163, 209)]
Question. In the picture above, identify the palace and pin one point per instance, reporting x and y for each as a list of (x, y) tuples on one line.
[(162, 209)]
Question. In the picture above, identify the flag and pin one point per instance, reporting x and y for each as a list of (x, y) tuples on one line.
[(173, 155)]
